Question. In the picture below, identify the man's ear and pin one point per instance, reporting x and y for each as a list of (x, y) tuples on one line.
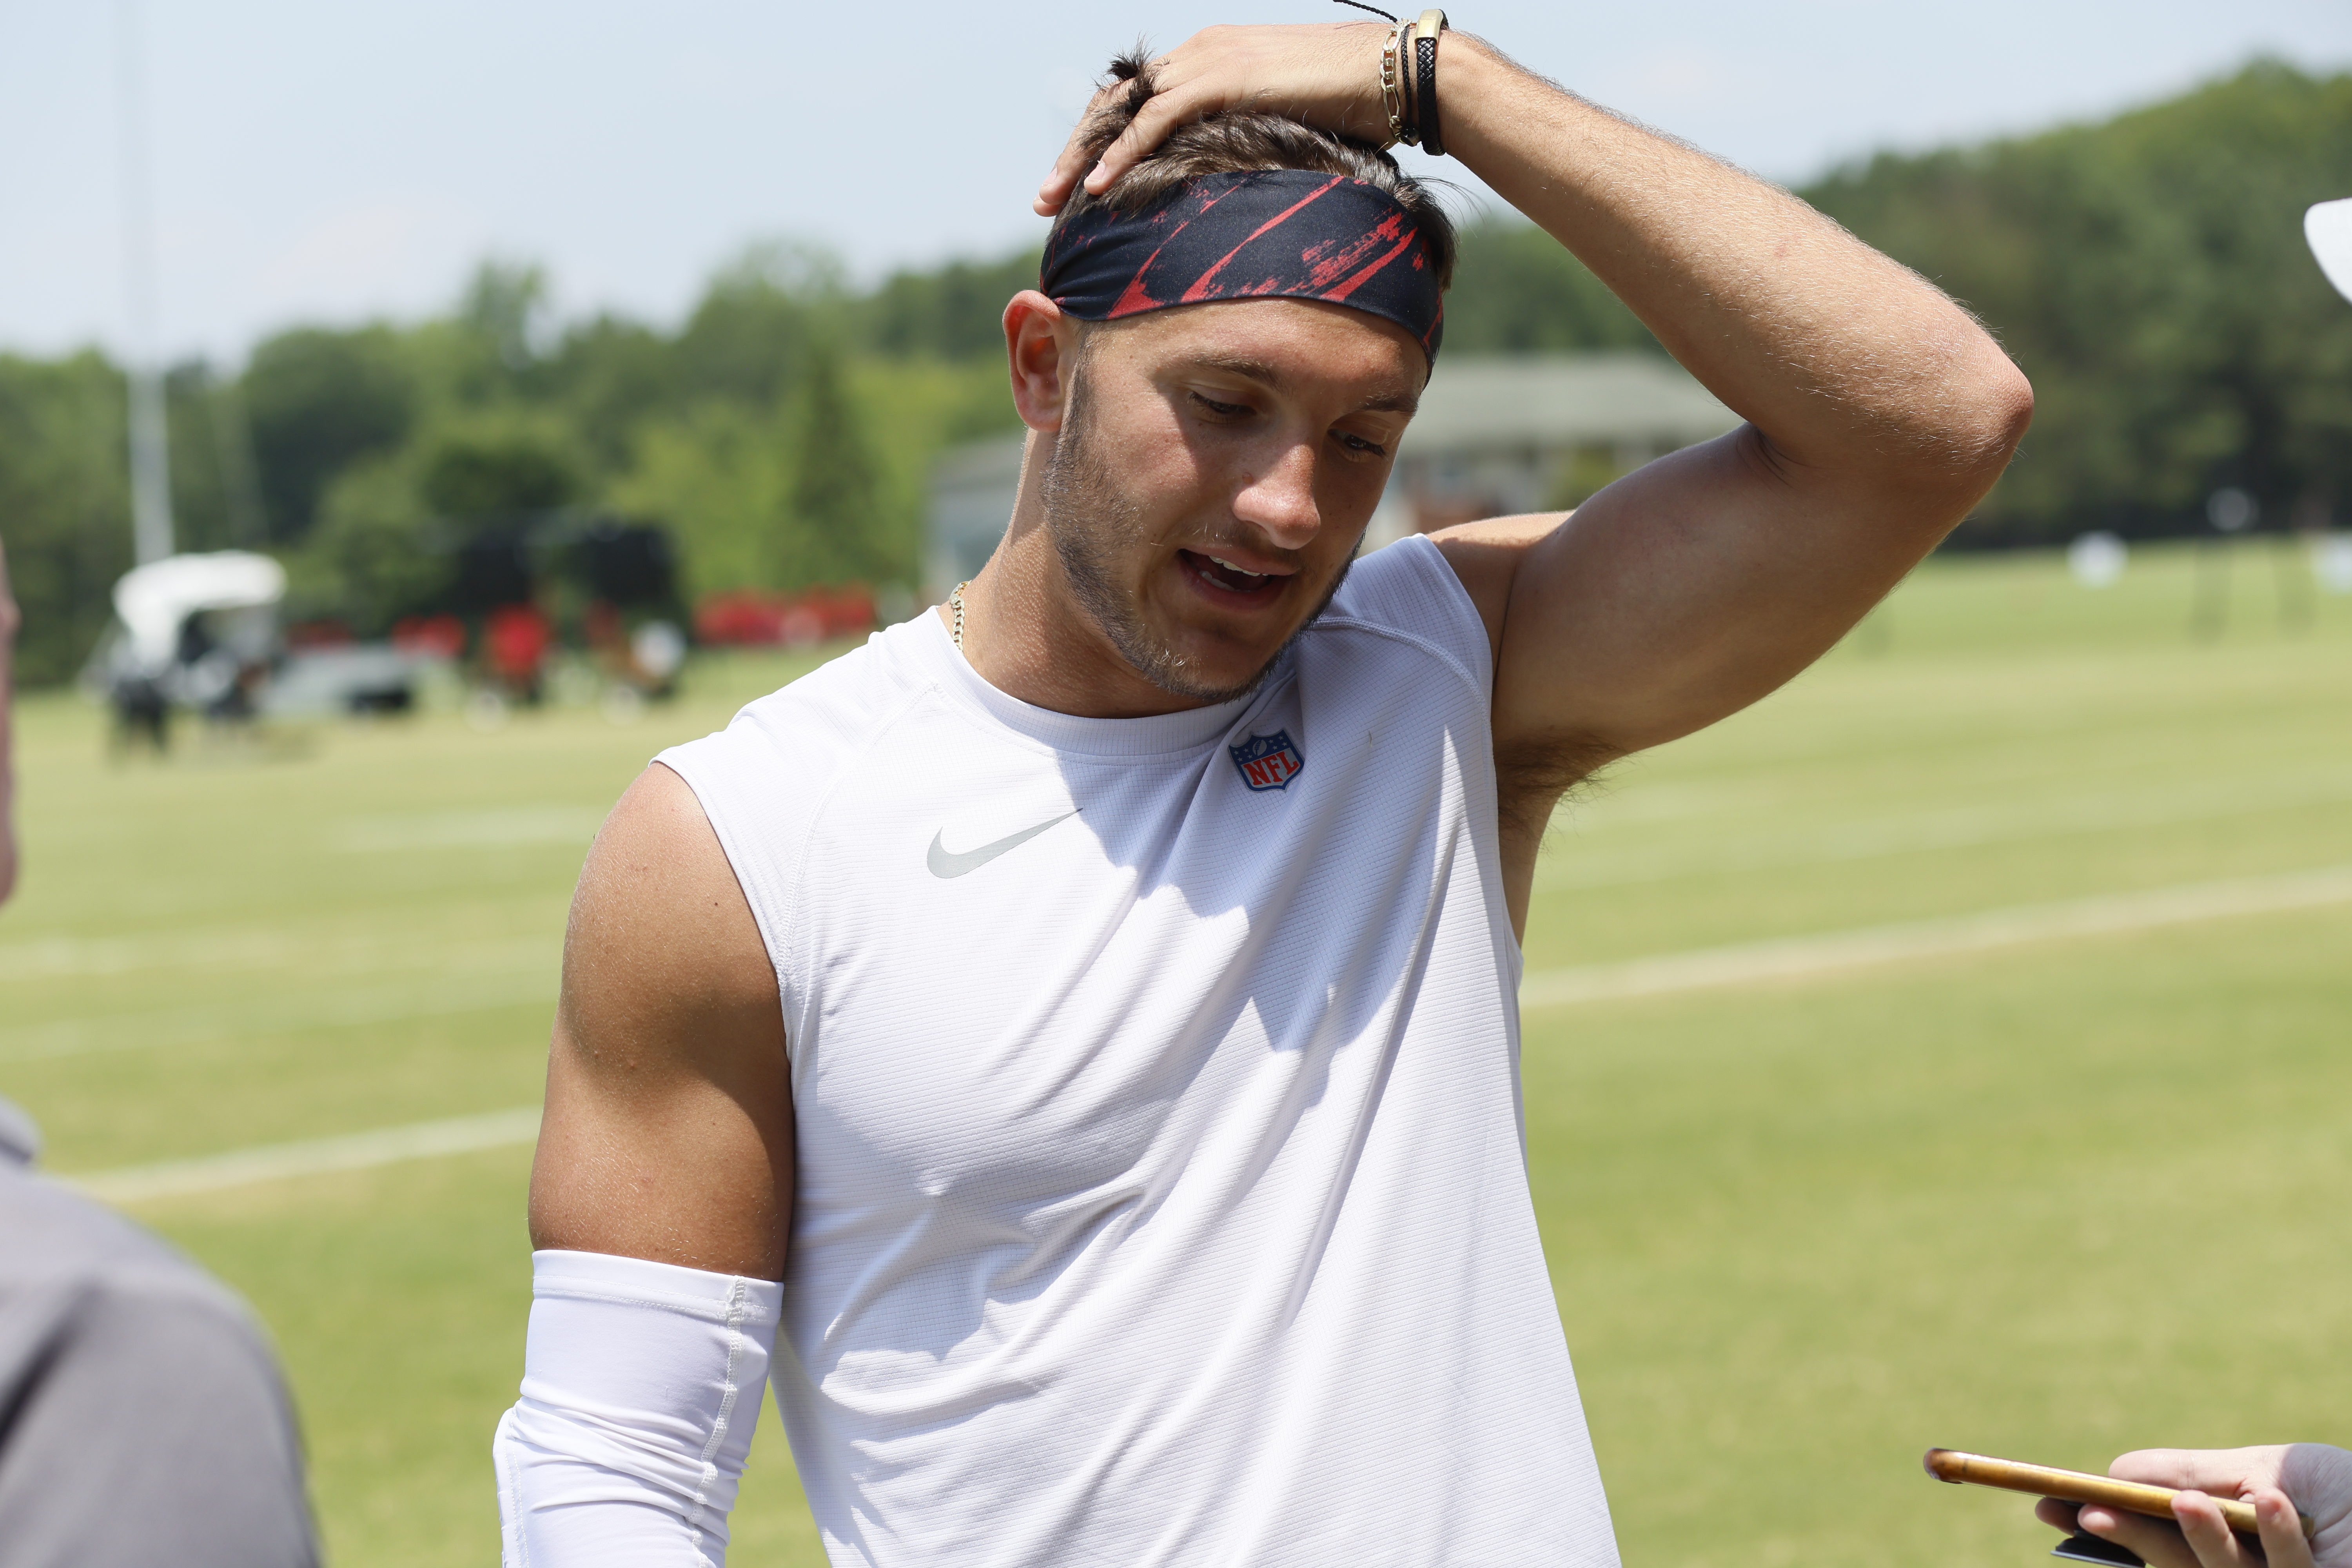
[(1041, 347)]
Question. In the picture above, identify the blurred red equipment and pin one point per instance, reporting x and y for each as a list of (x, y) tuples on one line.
[(757, 617), (317, 633), (430, 637), (517, 638)]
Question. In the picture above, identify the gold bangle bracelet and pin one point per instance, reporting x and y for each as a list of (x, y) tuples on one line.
[(1405, 85)]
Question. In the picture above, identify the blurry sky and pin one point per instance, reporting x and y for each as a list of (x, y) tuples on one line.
[(331, 160)]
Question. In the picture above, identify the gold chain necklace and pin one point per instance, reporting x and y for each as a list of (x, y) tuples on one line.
[(955, 608)]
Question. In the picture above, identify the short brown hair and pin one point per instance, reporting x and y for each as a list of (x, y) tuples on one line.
[(1232, 140)]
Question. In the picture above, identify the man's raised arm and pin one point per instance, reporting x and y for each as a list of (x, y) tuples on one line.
[(1878, 413), (658, 1205)]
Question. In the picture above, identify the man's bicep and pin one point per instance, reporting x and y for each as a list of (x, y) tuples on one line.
[(1691, 588), (668, 1127)]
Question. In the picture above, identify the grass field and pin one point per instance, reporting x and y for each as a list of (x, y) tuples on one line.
[(2054, 1199)]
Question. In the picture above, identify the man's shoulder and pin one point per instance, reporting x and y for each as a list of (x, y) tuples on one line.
[(798, 737), (147, 1418), (1410, 596), (760, 784), (54, 1238)]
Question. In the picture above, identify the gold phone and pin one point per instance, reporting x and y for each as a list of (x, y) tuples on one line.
[(2075, 1486)]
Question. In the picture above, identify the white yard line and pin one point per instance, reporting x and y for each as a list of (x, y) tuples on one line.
[(1583, 861), (1788, 958), (1798, 956), (425, 997), (336, 947), (311, 1157)]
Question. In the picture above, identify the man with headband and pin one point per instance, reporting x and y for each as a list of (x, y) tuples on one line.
[(1092, 1002)]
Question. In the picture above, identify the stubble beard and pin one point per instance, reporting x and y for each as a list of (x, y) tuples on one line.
[(1090, 516)]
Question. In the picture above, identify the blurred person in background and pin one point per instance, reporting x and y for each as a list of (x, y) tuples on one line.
[(142, 1419), (1074, 1033), (515, 643), (2278, 1481), (8, 618)]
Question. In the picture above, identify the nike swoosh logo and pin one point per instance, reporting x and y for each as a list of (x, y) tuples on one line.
[(944, 865)]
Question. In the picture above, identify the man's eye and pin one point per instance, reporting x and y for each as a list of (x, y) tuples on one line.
[(1357, 444), (1222, 410)]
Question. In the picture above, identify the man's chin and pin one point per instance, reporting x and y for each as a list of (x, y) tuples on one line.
[(1203, 681), (1207, 667)]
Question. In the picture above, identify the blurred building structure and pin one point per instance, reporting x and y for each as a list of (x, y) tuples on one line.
[(973, 486), (1494, 435)]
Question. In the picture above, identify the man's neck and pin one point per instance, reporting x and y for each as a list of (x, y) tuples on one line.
[(1031, 638), (1026, 634)]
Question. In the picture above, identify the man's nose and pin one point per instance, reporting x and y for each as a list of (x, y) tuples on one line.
[(1280, 496)]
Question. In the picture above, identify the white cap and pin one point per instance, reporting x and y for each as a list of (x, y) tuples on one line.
[(2328, 227)]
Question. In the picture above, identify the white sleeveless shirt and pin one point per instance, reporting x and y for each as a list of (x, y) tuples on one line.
[(1162, 1194)]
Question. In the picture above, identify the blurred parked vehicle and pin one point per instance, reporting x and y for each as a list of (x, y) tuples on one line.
[(193, 631), (201, 632)]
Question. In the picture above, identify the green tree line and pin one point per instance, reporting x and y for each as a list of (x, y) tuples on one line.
[(2148, 273)]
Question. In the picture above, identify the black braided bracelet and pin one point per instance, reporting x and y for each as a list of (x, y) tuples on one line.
[(1424, 108)]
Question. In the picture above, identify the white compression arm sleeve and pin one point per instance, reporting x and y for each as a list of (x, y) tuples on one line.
[(641, 1385)]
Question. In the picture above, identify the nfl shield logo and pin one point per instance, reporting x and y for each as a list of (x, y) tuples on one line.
[(1267, 762)]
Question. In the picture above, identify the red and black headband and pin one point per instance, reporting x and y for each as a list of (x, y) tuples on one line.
[(1259, 234)]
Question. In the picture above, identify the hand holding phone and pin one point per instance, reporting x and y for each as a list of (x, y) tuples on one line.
[(2211, 1501)]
